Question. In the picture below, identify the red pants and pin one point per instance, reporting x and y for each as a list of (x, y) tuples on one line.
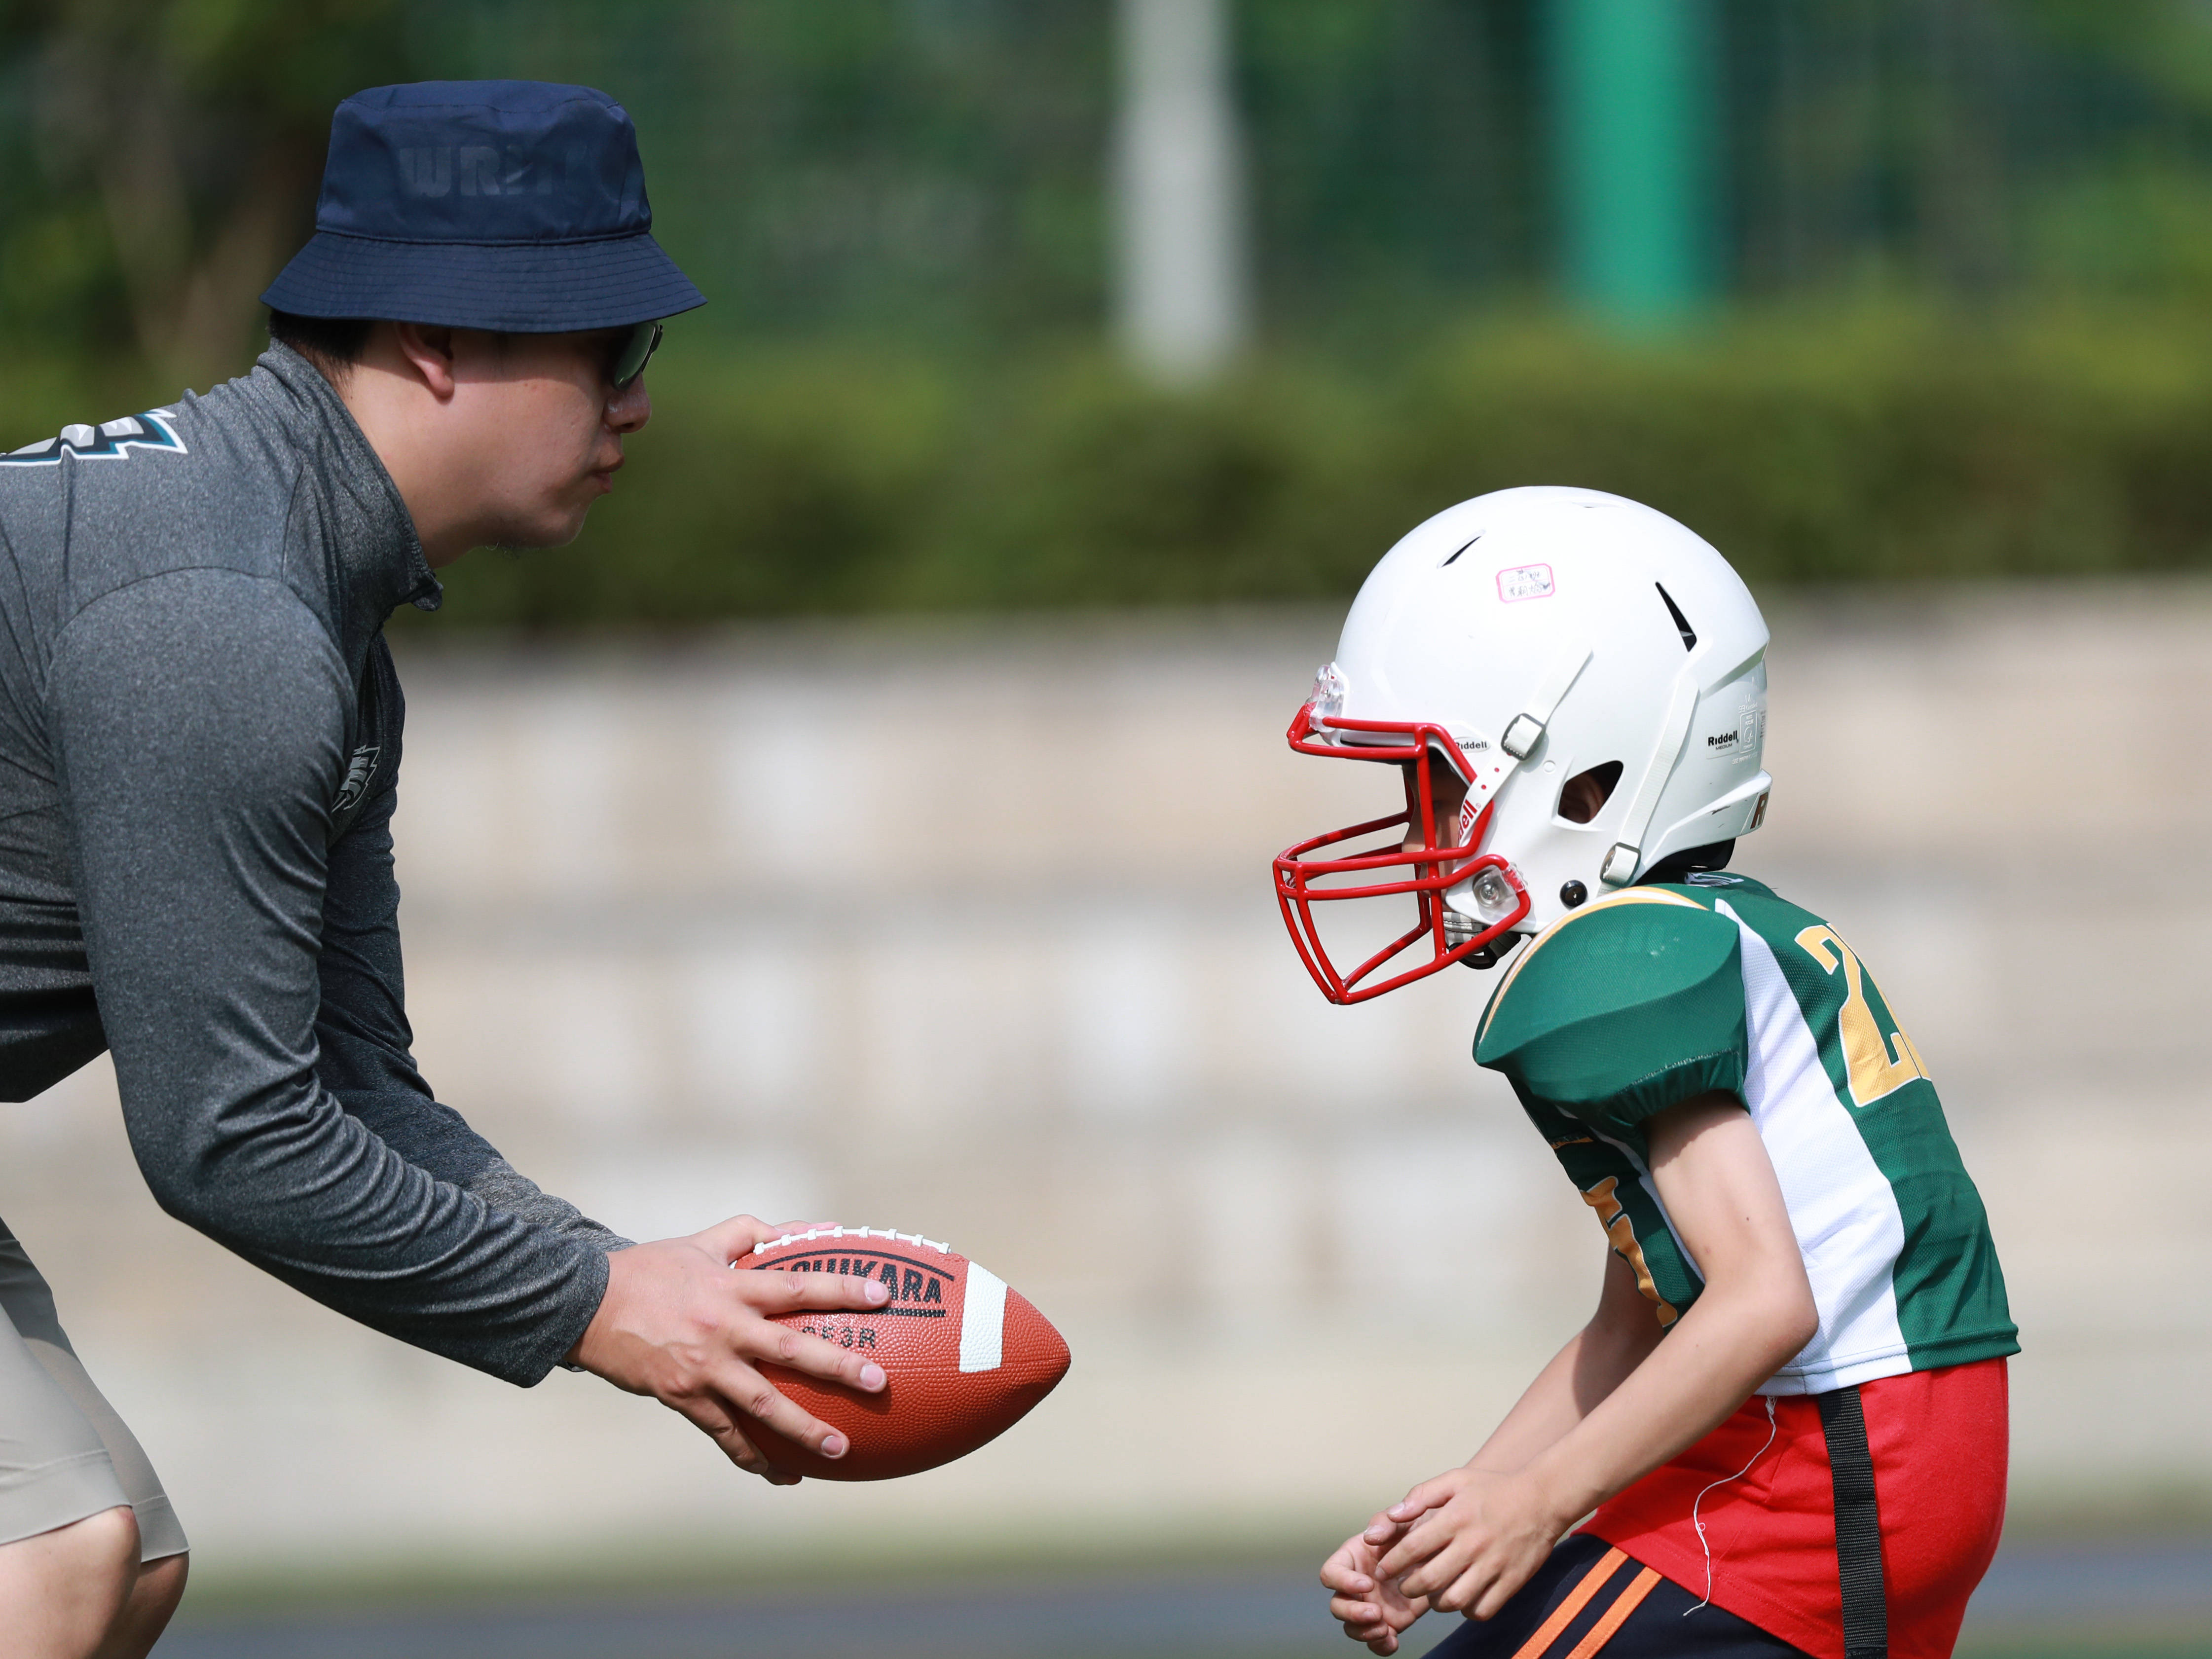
[(1939, 1440)]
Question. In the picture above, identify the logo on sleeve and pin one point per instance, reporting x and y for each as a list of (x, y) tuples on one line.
[(110, 441), (358, 773)]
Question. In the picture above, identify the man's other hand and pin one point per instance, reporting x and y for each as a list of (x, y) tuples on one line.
[(678, 1323)]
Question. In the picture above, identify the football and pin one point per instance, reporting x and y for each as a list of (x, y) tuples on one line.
[(964, 1358)]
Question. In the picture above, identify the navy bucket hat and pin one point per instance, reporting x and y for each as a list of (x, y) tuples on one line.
[(511, 206)]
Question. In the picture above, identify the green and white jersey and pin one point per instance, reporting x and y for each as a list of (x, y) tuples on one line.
[(1658, 993)]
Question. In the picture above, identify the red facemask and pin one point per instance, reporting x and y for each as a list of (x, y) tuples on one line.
[(1432, 866)]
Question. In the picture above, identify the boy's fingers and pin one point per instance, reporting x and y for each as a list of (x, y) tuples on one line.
[(1442, 1570), (1426, 1558), (1342, 1571), (1494, 1598), (1426, 1496), (1410, 1553), (1382, 1532), (1467, 1590), (1427, 1579)]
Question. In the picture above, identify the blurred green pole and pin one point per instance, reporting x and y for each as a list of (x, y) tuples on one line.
[(1633, 132)]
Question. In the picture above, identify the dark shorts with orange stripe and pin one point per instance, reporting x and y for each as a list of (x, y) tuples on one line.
[(1590, 1599)]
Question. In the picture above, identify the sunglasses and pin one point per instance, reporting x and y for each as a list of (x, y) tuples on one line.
[(632, 354)]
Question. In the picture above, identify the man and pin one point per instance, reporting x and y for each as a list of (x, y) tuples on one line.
[(199, 739)]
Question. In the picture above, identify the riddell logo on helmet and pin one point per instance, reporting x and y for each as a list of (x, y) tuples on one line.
[(1723, 740)]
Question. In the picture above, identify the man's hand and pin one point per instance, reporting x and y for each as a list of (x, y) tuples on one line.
[(1465, 1540), (1371, 1608), (679, 1324)]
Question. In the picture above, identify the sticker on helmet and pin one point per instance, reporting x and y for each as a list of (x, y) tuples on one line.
[(1525, 582)]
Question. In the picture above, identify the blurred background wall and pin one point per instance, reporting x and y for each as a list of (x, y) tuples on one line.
[(868, 816)]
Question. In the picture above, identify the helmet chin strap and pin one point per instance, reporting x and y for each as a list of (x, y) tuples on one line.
[(1627, 853), (1526, 730)]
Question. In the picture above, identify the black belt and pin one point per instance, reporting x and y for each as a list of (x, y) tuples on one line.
[(1858, 1526)]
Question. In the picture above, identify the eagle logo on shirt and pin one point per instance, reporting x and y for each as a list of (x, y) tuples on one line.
[(110, 441)]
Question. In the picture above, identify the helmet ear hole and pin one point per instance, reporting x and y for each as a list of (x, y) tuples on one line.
[(1583, 796)]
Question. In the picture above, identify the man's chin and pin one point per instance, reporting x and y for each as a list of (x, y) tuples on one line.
[(538, 538)]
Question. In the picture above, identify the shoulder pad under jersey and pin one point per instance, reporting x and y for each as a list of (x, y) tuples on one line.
[(1623, 1010)]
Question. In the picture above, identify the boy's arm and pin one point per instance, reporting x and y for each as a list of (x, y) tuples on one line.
[(1595, 1361), (1474, 1535)]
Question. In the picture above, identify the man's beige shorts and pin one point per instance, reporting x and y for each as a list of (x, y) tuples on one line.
[(64, 1454)]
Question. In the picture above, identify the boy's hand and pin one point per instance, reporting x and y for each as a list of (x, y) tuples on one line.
[(1465, 1540), (1373, 1609)]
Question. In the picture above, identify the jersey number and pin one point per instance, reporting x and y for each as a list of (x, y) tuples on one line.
[(1873, 1065)]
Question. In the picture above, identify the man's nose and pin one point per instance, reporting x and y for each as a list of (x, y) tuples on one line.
[(628, 410)]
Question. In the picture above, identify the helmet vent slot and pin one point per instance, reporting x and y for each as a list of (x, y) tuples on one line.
[(1583, 796), (1454, 560), (1682, 623)]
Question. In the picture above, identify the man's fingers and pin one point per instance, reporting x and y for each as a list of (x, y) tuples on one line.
[(771, 1343), (748, 1395), (734, 1240), (722, 1408), (749, 1457), (707, 1415), (770, 1291)]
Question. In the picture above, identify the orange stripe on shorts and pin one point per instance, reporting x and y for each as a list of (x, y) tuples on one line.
[(1592, 1581), (1616, 1615)]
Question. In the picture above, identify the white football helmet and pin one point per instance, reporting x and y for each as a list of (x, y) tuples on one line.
[(1520, 640)]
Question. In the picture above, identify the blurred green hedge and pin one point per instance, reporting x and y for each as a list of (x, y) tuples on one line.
[(1818, 447)]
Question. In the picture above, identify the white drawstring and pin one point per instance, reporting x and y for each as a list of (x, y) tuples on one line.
[(1700, 1499)]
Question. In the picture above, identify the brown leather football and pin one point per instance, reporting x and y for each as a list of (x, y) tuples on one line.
[(964, 1357)]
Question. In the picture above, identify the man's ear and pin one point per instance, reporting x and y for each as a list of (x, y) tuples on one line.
[(429, 348)]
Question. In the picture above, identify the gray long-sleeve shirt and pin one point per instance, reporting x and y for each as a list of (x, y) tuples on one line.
[(199, 737)]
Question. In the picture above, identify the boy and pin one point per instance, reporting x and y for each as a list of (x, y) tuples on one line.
[(1788, 1413)]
